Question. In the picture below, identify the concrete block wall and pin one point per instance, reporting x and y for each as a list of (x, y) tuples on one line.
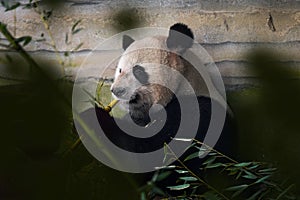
[(227, 29)]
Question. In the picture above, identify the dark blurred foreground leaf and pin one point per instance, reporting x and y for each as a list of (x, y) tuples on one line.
[(9, 6), (126, 19)]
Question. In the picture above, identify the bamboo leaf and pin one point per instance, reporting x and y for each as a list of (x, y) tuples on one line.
[(214, 165), (254, 196), (185, 140), (231, 169), (4, 3), (210, 195), (92, 99), (77, 31), (78, 46), (41, 40), (181, 171), (47, 14), (165, 167), (27, 40), (264, 194), (232, 173), (157, 190), (24, 39), (238, 192), (239, 175), (250, 175), (188, 178), (74, 26), (262, 179), (8, 7), (203, 150), (143, 196), (267, 171), (192, 156), (66, 54), (31, 4), (210, 160), (67, 38), (166, 150), (243, 164), (284, 192), (253, 167), (179, 187), (237, 187), (211, 153), (162, 176)]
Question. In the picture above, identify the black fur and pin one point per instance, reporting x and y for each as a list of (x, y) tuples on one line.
[(140, 74), (180, 37), (130, 143), (182, 28), (126, 42), (169, 130)]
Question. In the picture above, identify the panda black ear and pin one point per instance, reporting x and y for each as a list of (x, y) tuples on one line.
[(180, 37), (127, 40)]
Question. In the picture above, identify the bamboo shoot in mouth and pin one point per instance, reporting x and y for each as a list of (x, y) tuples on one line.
[(111, 105)]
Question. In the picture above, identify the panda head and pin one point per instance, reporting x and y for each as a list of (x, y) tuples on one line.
[(144, 63)]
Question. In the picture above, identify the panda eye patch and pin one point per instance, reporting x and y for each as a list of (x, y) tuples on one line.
[(140, 74)]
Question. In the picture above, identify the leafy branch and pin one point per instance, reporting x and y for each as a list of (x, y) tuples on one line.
[(251, 176), (45, 15), (192, 178), (14, 44)]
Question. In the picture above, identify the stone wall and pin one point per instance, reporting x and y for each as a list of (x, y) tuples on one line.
[(227, 29)]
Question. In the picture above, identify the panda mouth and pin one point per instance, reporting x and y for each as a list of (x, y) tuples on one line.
[(125, 102), (126, 98), (119, 98)]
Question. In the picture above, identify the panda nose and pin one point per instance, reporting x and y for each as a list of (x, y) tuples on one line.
[(118, 91)]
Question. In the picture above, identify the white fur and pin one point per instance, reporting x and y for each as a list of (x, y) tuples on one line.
[(152, 54)]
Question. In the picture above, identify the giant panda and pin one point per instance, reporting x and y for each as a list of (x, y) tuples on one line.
[(136, 86)]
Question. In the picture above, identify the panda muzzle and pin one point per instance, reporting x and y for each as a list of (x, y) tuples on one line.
[(118, 91)]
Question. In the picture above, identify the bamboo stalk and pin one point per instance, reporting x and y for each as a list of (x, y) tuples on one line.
[(111, 105)]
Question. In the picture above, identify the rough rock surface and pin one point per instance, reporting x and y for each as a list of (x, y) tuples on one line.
[(228, 30)]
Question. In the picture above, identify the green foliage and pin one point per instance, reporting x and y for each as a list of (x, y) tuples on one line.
[(160, 176), (247, 180), (74, 29), (179, 187)]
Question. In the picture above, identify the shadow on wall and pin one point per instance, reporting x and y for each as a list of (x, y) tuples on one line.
[(126, 19)]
